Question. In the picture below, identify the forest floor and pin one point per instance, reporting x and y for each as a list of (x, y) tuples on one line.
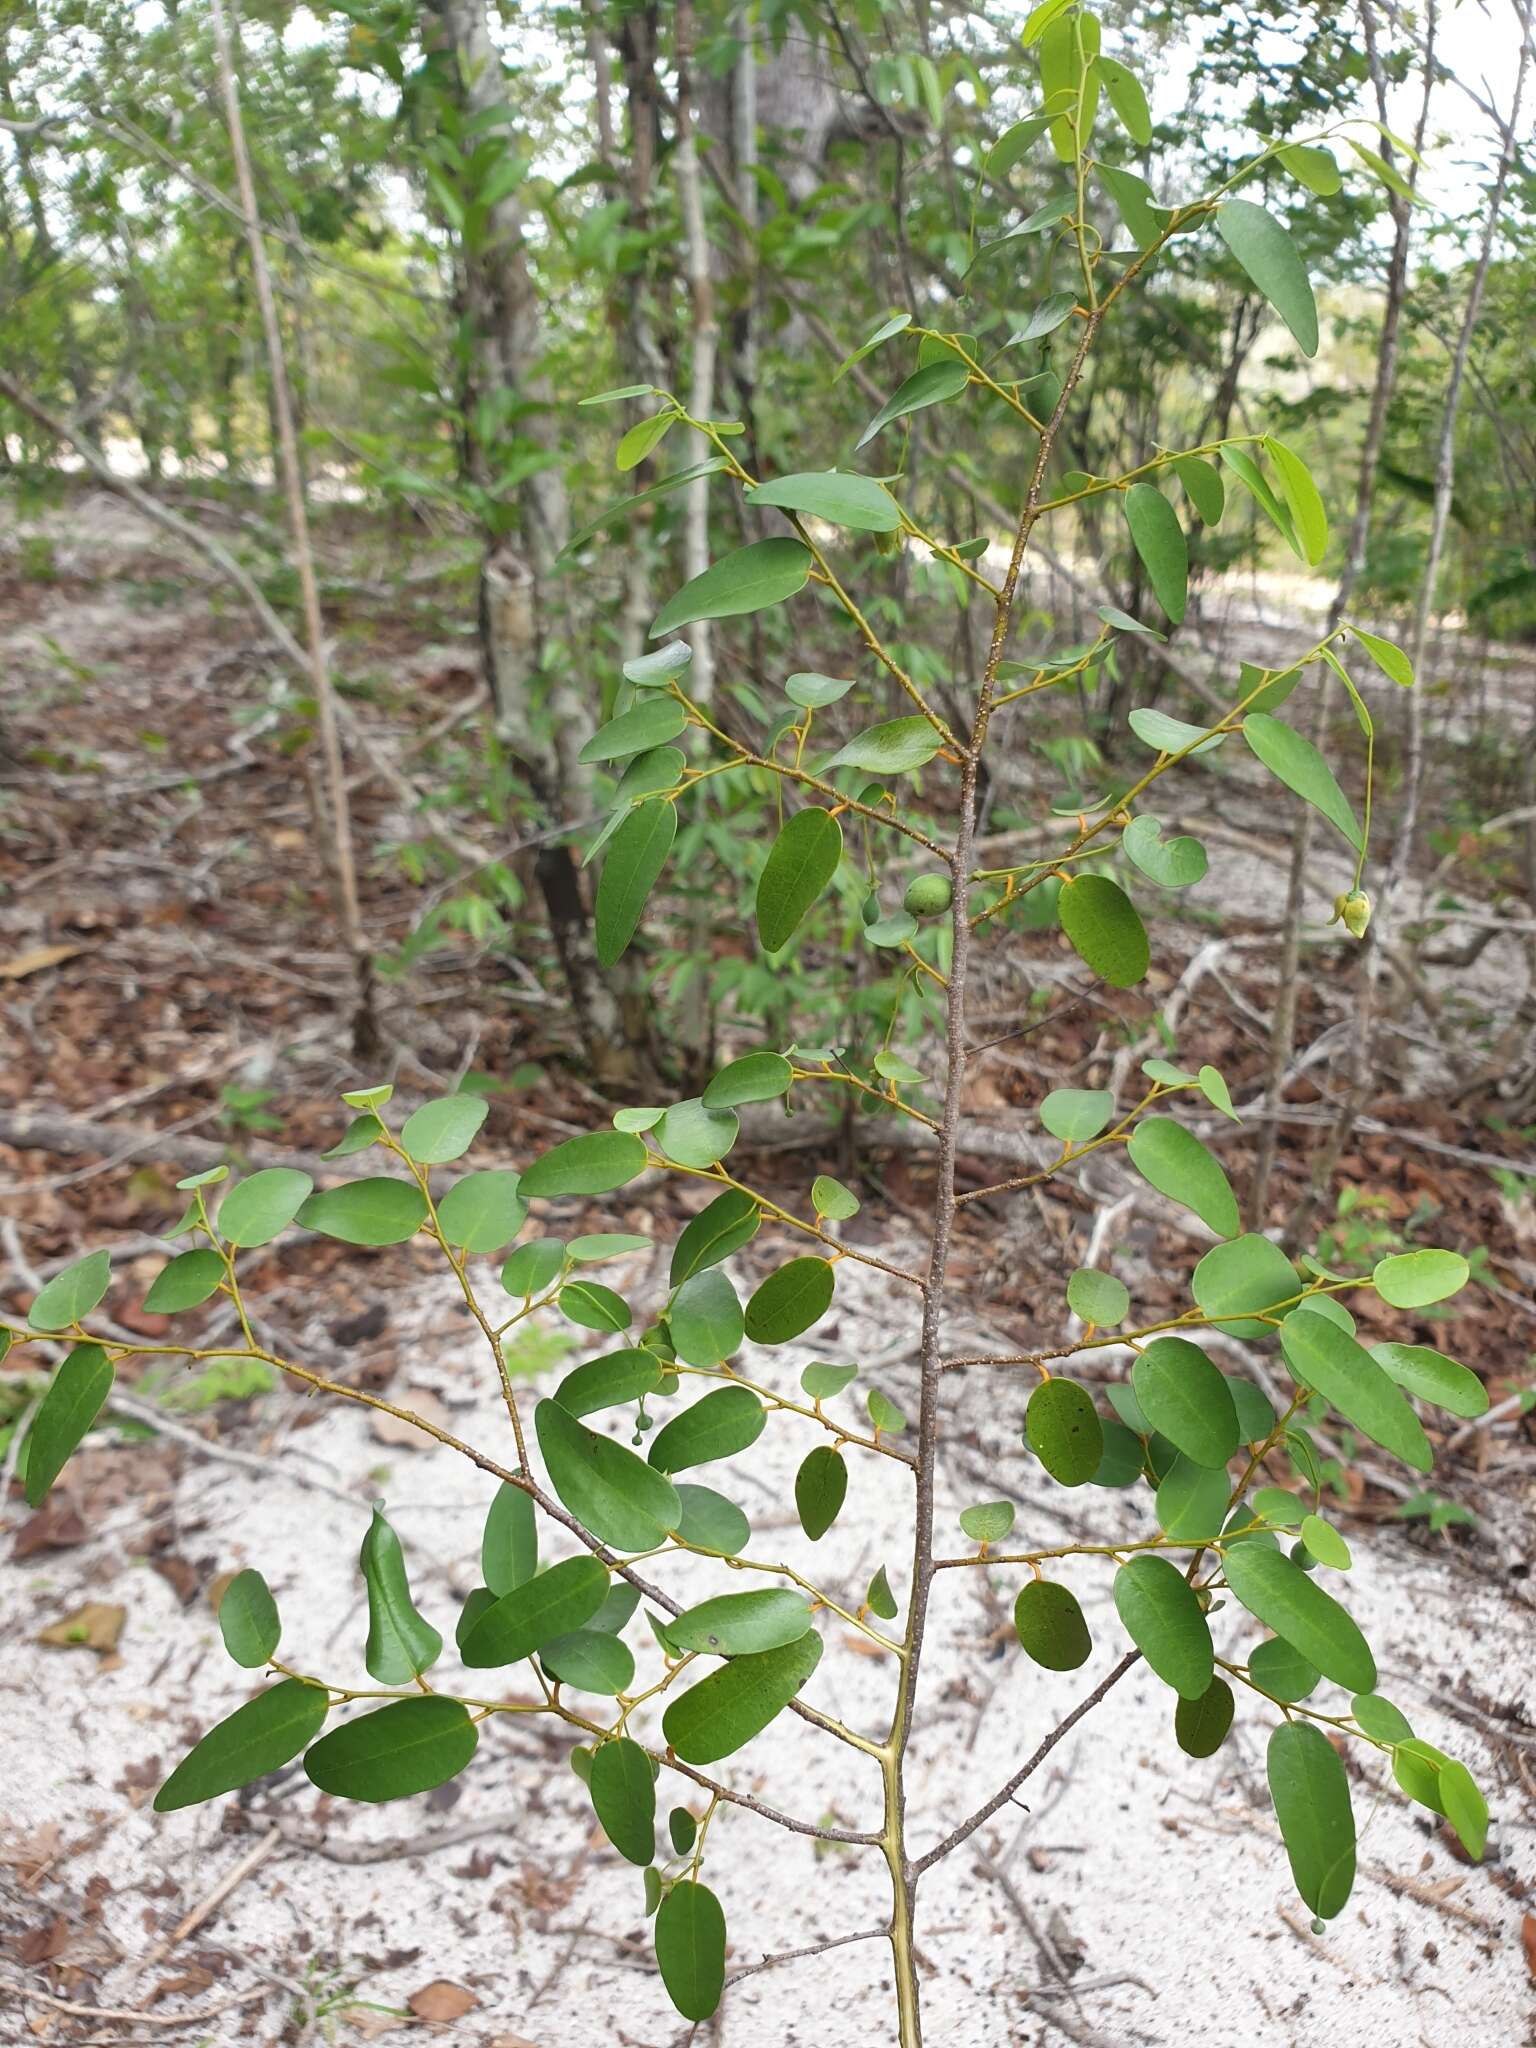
[(169, 965)]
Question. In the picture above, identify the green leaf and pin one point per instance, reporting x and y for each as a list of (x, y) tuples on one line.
[(1173, 1160), (363, 1131), (594, 1164), (1106, 934), (408, 1747), (609, 1382), (879, 1598), (1464, 1807), (1325, 1543), (1431, 1376), (724, 1711), (1310, 1788), (757, 1077), (1216, 1092), (599, 1245), (401, 1645), (1379, 168), (989, 1521), (533, 1267), (592, 1306), (1242, 464), (637, 443), (832, 1201), (812, 692), (69, 1297), (1293, 759), (1282, 1596), (1063, 1430), (1391, 660), (443, 1131), (690, 1948), (616, 511), (724, 1226), (749, 579), (1281, 1671), (738, 1624), (842, 499), (696, 1136), (1159, 540), (509, 1544), (789, 1301), (636, 856), (592, 1660), (622, 1500), (821, 1487), (1167, 735), (1132, 197), (373, 1212), (891, 748), (1162, 1617), (535, 1612), (1302, 496), (654, 670), (884, 1413), (1050, 1625), (248, 1620), (186, 1282), (1200, 1726), (1312, 166), (623, 1790), (256, 1210), (822, 1382), (711, 1522), (256, 1739), (483, 1212), (1266, 252), (1203, 485), (1243, 1279), (800, 864), (75, 1397), (705, 1319), (1124, 1454), (1326, 1358), (894, 325), (1415, 1279), (1192, 1500), (1172, 863), (355, 1098), (1098, 1297), (932, 385), (1128, 100), (726, 1421), (1076, 1114), (1186, 1398), (1379, 1718), (650, 723)]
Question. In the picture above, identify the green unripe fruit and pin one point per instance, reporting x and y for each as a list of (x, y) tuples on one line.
[(928, 895)]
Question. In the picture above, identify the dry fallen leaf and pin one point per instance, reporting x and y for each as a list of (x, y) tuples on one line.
[(441, 2000), (1528, 1937), (95, 1626), (20, 965), (389, 1429)]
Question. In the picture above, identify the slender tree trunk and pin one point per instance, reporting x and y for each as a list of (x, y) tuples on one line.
[(525, 638), (704, 337), (365, 1032), (1362, 1065), (1282, 1037)]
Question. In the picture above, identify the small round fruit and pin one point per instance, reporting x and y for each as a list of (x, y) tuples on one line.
[(928, 895)]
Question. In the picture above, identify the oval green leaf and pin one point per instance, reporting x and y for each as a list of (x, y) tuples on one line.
[(258, 1738), (408, 1747), (749, 579), (1326, 1358), (621, 1499), (1063, 1430), (690, 1948), (724, 1711), (1162, 1617), (623, 1789), (636, 856), (789, 1301), (75, 1397), (1310, 1788), (1173, 1160), (248, 1620), (821, 1487), (740, 1624), (1106, 933), (1050, 1625), (371, 1212), (1159, 540), (1289, 1602), (1187, 1399), (536, 1612), (594, 1164), (724, 1422), (800, 864)]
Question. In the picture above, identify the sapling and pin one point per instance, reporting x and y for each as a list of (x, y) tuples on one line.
[(592, 1491)]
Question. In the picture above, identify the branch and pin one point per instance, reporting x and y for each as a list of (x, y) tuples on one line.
[(968, 1828)]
